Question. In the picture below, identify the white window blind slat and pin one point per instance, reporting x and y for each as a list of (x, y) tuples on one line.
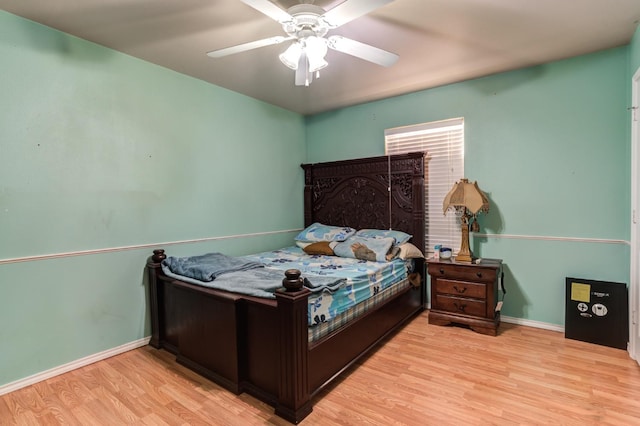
[(443, 143)]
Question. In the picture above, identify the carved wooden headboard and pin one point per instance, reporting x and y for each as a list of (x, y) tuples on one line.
[(356, 193)]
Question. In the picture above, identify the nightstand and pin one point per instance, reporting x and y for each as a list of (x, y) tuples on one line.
[(466, 293)]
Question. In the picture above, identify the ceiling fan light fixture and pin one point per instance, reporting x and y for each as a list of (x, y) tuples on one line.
[(291, 56), (316, 49), (316, 66)]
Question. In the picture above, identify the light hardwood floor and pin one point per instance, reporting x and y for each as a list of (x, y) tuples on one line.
[(424, 375)]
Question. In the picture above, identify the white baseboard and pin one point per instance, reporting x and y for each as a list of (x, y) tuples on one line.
[(526, 322), (56, 371), (532, 323)]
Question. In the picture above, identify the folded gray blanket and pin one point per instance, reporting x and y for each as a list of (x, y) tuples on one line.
[(262, 282), (318, 283), (207, 267), (216, 270)]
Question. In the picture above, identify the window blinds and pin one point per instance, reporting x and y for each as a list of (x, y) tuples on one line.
[(443, 142)]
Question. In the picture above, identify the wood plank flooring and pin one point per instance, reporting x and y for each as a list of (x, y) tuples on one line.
[(424, 375)]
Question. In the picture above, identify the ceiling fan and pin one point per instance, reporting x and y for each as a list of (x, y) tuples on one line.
[(307, 25)]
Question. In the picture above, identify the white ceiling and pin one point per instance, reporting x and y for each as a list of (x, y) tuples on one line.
[(439, 41)]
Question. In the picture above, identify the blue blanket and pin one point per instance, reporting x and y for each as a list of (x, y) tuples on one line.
[(207, 267), (318, 283), (215, 270)]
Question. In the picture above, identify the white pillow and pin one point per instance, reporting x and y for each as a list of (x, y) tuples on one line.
[(409, 251)]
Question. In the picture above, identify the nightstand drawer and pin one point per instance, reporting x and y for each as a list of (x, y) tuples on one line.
[(461, 288), (461, 305), (455, 272)]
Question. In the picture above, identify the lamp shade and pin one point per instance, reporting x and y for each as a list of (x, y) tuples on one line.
[(291, 56), (316, 49), (467, 195)]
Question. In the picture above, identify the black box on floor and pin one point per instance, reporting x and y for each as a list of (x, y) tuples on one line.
[(597, 312)]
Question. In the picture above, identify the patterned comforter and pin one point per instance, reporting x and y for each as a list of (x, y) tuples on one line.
[(363, 278)]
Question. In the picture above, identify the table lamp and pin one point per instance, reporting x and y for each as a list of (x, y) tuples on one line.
[(467, 200)]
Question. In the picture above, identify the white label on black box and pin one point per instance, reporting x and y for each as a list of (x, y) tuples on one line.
[(599, 309)]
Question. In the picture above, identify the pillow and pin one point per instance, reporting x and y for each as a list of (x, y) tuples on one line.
[(399, 236), (409, 251), (393, 253), (320, 247), (320, 232), (372, 249)]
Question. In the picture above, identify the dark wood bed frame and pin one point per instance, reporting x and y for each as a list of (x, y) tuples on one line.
[(260, 346)]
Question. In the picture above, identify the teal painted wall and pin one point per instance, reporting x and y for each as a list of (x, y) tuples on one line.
[(635, 51), (101, 150), (548, 144)]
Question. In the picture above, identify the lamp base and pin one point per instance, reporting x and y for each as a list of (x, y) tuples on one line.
[(465, 255), (463, 258)]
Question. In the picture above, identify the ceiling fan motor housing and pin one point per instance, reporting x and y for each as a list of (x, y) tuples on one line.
[(306, 20)]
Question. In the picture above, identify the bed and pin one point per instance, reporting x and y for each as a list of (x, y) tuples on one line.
[(265, 347)]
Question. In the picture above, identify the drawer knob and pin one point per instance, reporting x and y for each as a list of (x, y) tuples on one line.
[(479, 274), (460, 308), (441, 271), (459, 290)]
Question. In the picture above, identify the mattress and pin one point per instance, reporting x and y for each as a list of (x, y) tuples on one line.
[(363, 279), (318, 331)]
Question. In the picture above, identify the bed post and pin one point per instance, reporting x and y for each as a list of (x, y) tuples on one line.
[(153, 264), (294, 401), (308, 194), (418, 207)]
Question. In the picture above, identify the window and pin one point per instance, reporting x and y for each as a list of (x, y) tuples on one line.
[(443, 142)]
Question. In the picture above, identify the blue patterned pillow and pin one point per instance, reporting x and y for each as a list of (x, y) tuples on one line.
[(320, 232), (399, 236), (372, 249)]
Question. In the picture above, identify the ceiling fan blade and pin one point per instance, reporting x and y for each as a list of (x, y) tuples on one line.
[(269, 9), (362, 51), (247, 46), (350, 10)]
